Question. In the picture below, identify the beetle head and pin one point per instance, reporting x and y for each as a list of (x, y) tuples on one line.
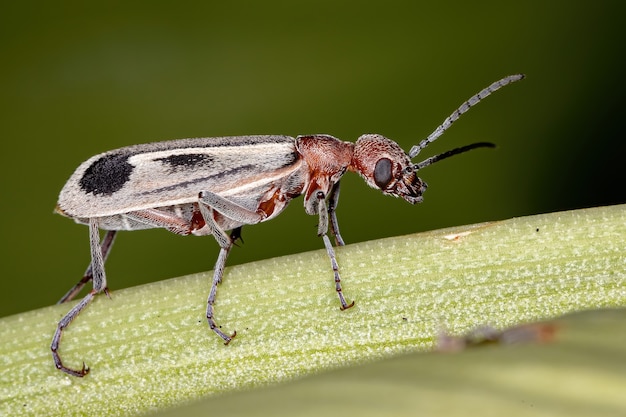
[(384, 165)]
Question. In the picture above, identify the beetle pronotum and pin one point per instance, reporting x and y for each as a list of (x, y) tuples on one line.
[(207, 186)]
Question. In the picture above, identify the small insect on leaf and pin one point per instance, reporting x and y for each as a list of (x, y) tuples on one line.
[(487, 335), (209, 186)]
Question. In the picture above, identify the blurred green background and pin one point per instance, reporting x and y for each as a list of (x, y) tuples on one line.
[(79, 78)]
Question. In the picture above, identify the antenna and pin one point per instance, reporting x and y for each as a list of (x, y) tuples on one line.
[(454, 151), (475, 99)]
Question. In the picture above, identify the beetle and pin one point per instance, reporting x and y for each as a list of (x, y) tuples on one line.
[(208, 186)]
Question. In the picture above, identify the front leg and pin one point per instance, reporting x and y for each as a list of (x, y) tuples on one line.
[(333, 200), (322, 231)]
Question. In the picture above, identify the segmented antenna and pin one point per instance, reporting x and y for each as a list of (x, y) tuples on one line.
[(475, 99), (454, 151)]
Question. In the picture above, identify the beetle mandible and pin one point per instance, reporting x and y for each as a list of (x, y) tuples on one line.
[(208, 186)]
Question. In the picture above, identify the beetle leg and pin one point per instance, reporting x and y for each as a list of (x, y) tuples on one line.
[(333, 200), (322, 231), (226, 243), (223, 239), (217, 278), (106, 244), (99, 284), (229, 209), (160, 218), (174, 224)]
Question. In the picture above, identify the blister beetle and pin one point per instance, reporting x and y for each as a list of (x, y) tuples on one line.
[(208, 186)]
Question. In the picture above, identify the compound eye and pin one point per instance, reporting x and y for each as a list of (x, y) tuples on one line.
[(382, 173)]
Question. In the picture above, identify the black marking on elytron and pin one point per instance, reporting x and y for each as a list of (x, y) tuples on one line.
[(109, 173), (188, 160), (106, 175)]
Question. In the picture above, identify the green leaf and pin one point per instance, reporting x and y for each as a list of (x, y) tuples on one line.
[(582, 373), (149, 347)]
